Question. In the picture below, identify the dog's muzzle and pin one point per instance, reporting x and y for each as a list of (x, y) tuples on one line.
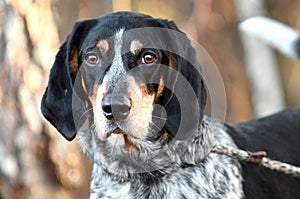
[(116, 107)]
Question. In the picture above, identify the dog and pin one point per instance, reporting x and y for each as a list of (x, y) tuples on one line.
[(131, 87)]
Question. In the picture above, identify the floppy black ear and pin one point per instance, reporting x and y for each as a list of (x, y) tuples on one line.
[(56, 105), (185, 112)]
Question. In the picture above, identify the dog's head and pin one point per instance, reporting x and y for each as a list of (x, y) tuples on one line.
[(133, 79)]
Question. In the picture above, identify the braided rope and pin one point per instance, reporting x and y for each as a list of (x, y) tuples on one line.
[(257, 158)]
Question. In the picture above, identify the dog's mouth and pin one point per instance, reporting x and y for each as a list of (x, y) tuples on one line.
[(129, 144), (118, 131)]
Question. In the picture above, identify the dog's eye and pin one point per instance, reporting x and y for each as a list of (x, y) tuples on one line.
[(148, 58), (91, 58)]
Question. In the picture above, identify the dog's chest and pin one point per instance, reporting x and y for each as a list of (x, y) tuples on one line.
[(217, 177)]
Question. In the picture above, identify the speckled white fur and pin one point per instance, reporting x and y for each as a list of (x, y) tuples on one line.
[(213, 176)]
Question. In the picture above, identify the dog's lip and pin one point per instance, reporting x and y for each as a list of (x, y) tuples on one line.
[(129, 143), (118, 131)]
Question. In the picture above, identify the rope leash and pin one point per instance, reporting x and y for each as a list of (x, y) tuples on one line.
[(257, 158)]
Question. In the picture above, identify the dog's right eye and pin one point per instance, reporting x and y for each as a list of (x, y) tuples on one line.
[(91, 58), (148, 58)]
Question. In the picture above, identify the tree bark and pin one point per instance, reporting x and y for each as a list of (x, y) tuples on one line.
[(35, 161), (266, 93)]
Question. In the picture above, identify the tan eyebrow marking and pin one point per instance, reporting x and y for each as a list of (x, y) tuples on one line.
[(136, 47), (103, 46)]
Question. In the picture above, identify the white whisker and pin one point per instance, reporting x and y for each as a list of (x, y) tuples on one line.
[(85, 112), (163, 118), (159, 128)]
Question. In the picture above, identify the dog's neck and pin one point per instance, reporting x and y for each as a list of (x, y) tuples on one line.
[(194, 170), (176, 154)]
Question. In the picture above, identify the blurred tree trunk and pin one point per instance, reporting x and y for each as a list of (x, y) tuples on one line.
[(35, 162), (261, 65)]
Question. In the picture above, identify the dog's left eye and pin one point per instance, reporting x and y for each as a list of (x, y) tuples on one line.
[(148, 58), (91, 58)]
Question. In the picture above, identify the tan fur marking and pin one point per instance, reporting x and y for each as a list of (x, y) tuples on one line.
[(160, 89), (144, 91), (136, 47), (93, 98), (83, 85), (103, 46), (131, 147), (73, 61), (172, 60), (99, 92), (142, 106)]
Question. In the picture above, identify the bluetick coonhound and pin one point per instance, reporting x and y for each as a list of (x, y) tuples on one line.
[(130, 86)]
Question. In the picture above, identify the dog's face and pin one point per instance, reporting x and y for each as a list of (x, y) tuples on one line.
[(135, 81)]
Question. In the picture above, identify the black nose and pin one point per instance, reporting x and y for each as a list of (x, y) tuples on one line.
[(116, 107)]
